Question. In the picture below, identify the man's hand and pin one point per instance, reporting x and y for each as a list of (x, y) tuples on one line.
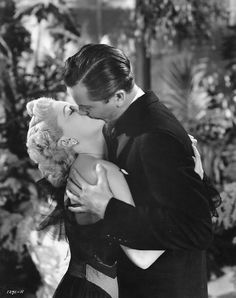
[(90, 198), (197, 158)]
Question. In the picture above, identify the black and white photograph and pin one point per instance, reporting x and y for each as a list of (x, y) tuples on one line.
[(118, 148)]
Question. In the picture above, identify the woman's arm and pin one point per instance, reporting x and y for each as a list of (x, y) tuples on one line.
[(142, 258)]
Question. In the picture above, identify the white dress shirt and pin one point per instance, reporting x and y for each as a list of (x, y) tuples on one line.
[(138, 94)]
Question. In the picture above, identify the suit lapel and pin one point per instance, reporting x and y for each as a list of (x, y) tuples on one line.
[(122, 141), (127, 126)]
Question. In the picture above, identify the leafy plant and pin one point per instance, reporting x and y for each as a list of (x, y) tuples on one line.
[(227, 210), (184, 93), (22, 79), (201, 95)]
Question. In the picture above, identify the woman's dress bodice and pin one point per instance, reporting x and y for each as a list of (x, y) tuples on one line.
[(89, 247)]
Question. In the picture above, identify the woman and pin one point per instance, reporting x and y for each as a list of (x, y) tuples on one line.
[(59, 139)]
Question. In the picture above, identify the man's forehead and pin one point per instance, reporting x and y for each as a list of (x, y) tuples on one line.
[(79, 93)]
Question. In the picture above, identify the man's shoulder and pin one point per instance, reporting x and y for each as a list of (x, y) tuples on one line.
[(156, 123), (148, 114), (151, 109), (157, 117)]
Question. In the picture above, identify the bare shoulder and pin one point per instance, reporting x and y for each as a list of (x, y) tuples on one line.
[(108, 165), (86, 165), (84, 159), (90, 161)]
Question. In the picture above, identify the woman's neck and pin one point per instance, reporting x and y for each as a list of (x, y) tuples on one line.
[(94, 146)]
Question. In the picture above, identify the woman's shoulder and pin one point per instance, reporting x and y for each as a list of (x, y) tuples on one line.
[(86, 165), (93, 161), (107, 164)]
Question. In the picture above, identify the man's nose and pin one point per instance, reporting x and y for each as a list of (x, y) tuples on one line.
[(75, 108), (82, 111)]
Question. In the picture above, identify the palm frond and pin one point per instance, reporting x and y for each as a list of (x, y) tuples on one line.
[(184, 94)]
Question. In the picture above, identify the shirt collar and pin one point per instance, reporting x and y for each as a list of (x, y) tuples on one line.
[(139, 93)]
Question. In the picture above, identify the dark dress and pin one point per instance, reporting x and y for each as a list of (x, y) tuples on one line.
[(87, 247)]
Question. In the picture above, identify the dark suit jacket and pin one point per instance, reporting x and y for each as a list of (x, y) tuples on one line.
[(172, 210)]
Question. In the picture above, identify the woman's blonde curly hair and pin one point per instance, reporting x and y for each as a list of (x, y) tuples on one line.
[(53, 160)]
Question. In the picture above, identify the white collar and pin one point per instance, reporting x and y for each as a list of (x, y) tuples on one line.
[(138, 94)]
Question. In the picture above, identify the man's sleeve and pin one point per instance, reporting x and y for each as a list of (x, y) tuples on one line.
[(176, 214)]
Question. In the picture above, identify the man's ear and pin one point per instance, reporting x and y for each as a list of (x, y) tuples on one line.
[(67, 142), (119, 98)]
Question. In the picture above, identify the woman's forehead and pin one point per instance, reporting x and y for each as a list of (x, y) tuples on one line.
[(58, 107), (59, 103)]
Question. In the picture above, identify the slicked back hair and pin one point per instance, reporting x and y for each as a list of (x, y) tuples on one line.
[(102, 69)]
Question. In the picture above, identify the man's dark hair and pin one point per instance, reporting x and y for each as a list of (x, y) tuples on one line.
[(102, 69)]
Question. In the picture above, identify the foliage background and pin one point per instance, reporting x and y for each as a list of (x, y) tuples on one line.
[(184, 50)]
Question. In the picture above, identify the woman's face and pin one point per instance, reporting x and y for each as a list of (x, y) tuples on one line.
[(73, 124)]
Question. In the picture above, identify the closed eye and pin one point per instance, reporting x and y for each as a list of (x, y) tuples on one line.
[(71, 111)]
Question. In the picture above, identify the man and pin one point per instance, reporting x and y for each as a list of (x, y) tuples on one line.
[(150, 146)]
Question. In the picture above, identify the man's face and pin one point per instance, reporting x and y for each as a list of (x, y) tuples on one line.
[(94, 109)]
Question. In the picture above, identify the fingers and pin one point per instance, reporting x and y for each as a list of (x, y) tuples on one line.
[(75, 205), (73, 188), (198, 164), (78, 209), (196, 152), (101, 174), (74, 199), (66, 199), (191, 137), (75, 182), (193, 140), (77, 178), (72, 181)]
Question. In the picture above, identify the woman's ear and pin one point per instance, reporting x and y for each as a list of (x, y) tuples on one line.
[(67, 142)]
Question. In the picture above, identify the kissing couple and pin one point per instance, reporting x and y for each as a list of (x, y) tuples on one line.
[(131, 193)]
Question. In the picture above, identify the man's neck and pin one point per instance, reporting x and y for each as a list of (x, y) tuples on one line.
[(135, 93)]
